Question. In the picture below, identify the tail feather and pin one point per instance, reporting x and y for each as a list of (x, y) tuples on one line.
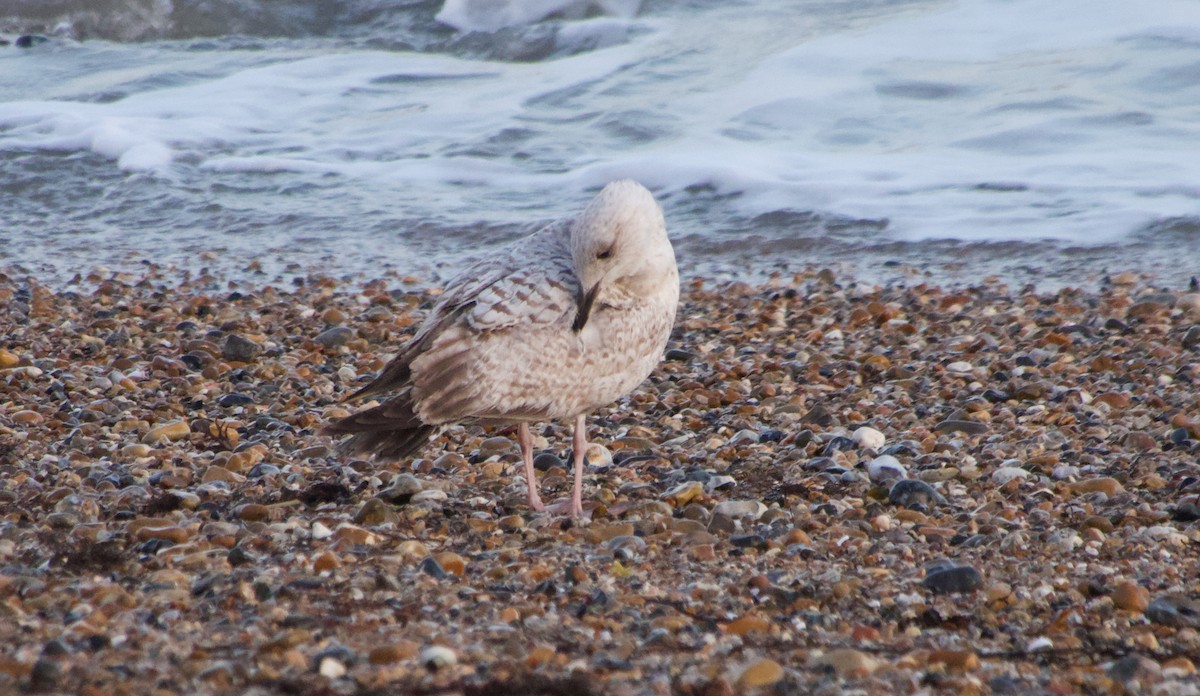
[(390, 430)]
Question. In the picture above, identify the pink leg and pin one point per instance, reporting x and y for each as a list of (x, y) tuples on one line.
[(525, 440), (580, 445)]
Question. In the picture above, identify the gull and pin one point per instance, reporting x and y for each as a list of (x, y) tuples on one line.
[(552, 327)]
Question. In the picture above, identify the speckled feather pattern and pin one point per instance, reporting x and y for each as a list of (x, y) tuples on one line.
[(499, 346)]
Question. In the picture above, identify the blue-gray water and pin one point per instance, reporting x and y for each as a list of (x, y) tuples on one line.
[(1046, 142)]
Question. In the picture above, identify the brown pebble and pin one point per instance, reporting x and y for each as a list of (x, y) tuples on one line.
[(8, 359), (1130, 596), (512, 523), (848, 663), (28, 417), (451, 562), (394, 652), (326, 561), (956, 660), (171, 432), (539, 656), (747, 624), (1108, 486), (252, 512), (761, 673), (174, 534)]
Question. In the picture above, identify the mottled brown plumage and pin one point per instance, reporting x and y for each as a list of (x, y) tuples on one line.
[(561, 322)]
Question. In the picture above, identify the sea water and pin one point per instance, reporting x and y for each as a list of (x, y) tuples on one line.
[(1046, 141)]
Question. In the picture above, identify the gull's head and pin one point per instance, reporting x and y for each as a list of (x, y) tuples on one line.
[(620, 242)]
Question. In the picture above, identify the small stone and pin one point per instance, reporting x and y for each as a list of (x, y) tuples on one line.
[(868, 438), (684, 493), (1174, 610), (999, 591), (326, 561), (403, 488), (957, 579), (747, 624), (1131, 596), (1135, 668), (332, 668), (1106, 485), (1178, 668), (170, 432), (1191, 339), (393, 652), (375, 512), (762, 673), (885, 469), (848, 663), (320, 532), (239, 349), (966, 427), (252, 512), (452, 563), (28, 417), (738, 509), (539, 656), (512, 523), (914, 494), (496, 445), (437, 657), (8, 359), (432, 568), (355, 535), (956, 660), (336, 337), (1006, 474)]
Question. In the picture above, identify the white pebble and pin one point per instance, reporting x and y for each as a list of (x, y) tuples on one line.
[(332, 668), (1036, 644), (436, 657), (885, 468), (1005, 474), (320, 531), (734, 509), (743, 436), (432, 494), (868, 438), (960, 366)]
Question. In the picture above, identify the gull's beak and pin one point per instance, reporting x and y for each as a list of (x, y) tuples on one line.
[(584, 307)]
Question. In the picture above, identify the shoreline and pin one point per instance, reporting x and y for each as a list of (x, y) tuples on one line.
[(169, 520)]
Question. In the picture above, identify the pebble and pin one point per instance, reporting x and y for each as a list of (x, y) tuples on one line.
[(332, 668), (885, 469), (961, 426), (914, 494), (738, 509), (335, 337), (170, 431), (761, 673), (1006, 474), (847, 663), (1131, 596), (954, 579), (868, 438), (1108, 486), (1174, 610), (437, 657), (239, 349)]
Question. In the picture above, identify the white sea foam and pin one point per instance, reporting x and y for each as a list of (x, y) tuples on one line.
[(491, 15), (981, 119)]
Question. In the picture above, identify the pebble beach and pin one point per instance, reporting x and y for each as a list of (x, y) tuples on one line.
[(826, 487)]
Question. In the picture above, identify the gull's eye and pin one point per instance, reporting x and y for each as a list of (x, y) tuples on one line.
[(606, 254)]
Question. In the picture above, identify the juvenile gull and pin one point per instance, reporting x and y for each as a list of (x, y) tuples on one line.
[(556, 325)]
